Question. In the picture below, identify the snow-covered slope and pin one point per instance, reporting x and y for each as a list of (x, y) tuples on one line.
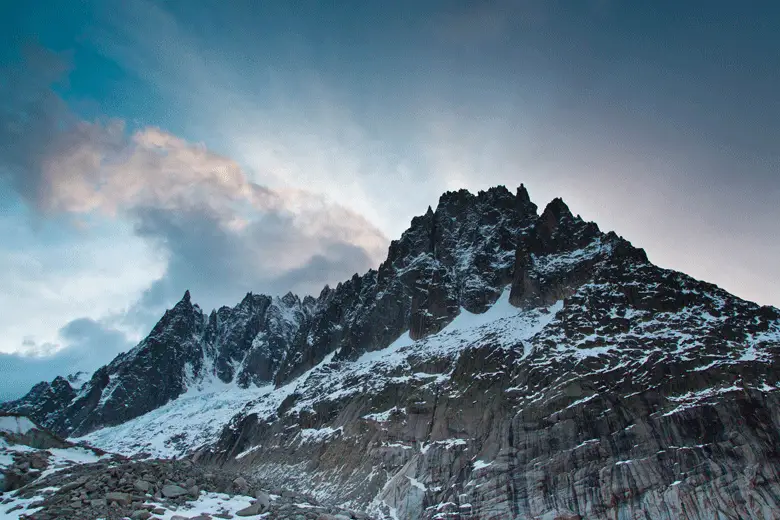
[(188, 422), (196, 418)]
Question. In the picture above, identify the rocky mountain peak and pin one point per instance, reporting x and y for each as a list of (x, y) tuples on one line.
[(459, 204), (498, 363), (556, 210), (459, 256), (455, 202), (177, 321), (290, 299), (77, 379), (61, 385), (524, 201), (558, 230)]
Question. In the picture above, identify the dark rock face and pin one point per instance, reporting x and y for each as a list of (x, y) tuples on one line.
[(461, 255), (637, 392), (557, 232), (45, 402), (549, 371)]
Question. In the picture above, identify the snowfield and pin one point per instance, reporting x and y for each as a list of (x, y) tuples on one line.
[(197, 417), (184, 424)]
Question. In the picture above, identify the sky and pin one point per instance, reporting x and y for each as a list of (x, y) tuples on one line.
[(147, 148)]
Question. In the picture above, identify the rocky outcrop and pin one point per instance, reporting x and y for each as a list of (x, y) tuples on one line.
[(459, 256), (45, 402)]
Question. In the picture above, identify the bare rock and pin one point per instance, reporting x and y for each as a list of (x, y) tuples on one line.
[(142, 486), (263, 499), (123, 499), (254, 509), (241, 484), (173, 491)]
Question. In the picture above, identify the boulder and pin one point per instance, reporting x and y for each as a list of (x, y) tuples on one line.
[(142, 486), (263, 498), (123, 499), (241, 483), (254, 509), (173, 491)]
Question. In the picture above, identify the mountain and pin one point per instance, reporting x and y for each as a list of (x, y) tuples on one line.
[(500, 363)]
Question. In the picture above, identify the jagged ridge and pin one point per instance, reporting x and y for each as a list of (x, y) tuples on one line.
[(461, 255)]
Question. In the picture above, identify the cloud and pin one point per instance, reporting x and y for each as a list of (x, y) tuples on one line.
[(91, 345), (273, 252), (95, 167), (30, 115), (278, 114), (197, 206), (218, 233), (52, 273)]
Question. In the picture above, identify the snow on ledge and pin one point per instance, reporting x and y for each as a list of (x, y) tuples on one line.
[(16, 424), (480, 464)]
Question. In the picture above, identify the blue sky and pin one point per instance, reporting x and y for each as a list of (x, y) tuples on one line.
[(151, 147)]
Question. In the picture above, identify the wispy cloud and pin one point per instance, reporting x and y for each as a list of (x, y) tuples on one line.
[(216, 232), (91, 344)]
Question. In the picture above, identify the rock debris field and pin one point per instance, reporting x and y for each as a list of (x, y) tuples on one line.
[(118, 488)]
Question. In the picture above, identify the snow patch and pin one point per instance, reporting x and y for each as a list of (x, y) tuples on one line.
[(416, 483), (209, 503), (247, 452), (318, 434), (66, 457), (384, 416), (693, 399), (15, 501), (480, 464), (447, 444), (16, 424)]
